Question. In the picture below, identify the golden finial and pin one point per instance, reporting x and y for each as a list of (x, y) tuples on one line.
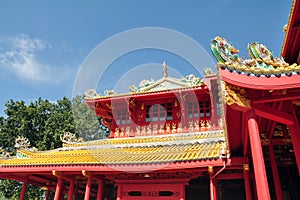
[(165, 68)]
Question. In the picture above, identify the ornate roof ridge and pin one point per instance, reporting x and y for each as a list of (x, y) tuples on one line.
[(127, 156), (152, 86), (262, 62), (191, 137), (94, 95)]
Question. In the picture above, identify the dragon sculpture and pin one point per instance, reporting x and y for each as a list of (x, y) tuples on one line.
[(261, 62), (22, 142), (68, 138)]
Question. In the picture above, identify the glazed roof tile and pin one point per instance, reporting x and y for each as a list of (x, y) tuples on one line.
[(183, 149)]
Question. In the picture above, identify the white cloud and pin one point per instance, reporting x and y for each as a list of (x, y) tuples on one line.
[(21, 57)]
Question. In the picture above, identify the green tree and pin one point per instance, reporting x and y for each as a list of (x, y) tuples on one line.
[(87, 125), (42, 122)]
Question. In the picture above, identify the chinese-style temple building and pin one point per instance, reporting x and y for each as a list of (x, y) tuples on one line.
[(231, 135)]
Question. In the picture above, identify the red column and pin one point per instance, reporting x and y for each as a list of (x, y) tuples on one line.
[(276, 177), (119, 193), (182, 192), (247, 182), (24, 187), (100, 190), (71, 189), (258, 159), (212, 185), (213, 190), (58, 190), (295, 135), (88, 188)]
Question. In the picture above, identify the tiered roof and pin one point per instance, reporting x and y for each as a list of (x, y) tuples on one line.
[(198, 145), (138, 150)]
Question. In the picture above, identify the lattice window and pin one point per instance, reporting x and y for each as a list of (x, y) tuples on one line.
[(159, 112), (199, 109), (122, 117)]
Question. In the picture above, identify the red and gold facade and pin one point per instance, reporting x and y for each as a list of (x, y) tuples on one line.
[(172, 139)]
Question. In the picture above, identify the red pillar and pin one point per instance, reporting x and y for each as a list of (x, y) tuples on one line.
[(213, 190), (119, 193), (247, 182), (24, 187), (58, 191), (182, 192), (295, 134), (276, 177), (212, 184), (71, 189), (258, 159), (88, 188), (100, 190)]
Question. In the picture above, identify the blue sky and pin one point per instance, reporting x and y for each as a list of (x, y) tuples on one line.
[(44, 43)]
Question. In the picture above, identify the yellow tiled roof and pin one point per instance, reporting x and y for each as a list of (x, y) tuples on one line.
[(181, 150), (150, 139)]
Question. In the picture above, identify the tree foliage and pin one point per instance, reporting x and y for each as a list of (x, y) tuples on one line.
[(43, 122)]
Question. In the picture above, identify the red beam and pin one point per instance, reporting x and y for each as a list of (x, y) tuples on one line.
[(272, 114), (278, 141), (276, 98), (230, 176), (112, 168)]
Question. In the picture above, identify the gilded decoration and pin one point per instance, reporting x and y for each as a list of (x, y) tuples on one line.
[(4, 153), (151, 85), (246, 167), (265, 142), (233, 94), (22, 142), (68, 137), (262, 61)]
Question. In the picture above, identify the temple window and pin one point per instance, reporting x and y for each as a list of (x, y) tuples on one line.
[(122, 117), (159, 112), (198, 109)]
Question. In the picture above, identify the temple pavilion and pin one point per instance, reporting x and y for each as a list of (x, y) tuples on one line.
[(233, 134)]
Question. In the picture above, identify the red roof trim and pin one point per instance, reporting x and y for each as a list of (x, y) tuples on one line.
[(114, 168), (260, 83)]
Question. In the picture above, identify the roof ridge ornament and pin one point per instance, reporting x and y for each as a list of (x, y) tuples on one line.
[(165, 68), (261, 60), (22, 142)]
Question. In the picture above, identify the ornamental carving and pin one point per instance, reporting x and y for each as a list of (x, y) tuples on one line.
[(4, 153), (68, 138), (233, 94), (261, 62), (91, 93), (22, 142)]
